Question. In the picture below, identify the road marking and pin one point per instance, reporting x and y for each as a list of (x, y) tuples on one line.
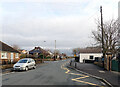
[(13, 72), (77, 79), (103, 83), (102, 71)]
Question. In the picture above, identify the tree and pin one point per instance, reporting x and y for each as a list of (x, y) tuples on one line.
[(110, 35), (76, 51), (23, 55), (16, 47), (57, 52)]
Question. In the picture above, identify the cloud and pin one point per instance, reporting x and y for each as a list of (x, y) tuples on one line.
[(63, 29), (70, 22), (45, 1)]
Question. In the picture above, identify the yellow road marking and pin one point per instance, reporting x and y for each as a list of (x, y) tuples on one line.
[(77, 79), (84, 82)]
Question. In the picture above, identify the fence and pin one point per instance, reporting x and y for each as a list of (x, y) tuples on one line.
[(37, 61), (4, 64), (115, 65), (8, 61)]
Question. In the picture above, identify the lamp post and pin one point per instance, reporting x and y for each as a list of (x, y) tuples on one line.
[(55, 50), (43, 51)]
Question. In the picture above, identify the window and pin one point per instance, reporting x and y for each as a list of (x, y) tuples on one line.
[(32, 60), (4, 55), (29, 61), (91, 57), (96, 59), (22, 61), (17, 55)]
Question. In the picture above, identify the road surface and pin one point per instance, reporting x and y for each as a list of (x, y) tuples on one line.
[(49, 73)]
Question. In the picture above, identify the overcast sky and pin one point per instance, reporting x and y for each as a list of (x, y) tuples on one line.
[(28, 23)]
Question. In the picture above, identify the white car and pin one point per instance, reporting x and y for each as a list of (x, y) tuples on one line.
[(25, 64)]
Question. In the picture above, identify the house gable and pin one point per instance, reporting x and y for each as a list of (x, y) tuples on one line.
[(7, 48)]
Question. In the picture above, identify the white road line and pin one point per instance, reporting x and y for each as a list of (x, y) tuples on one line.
[(103, 83), (102, 71)]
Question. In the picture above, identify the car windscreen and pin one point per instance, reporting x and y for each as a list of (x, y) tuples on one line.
[(22, 61)]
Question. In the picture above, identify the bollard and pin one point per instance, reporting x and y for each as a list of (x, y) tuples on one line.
[(75, 65), (70, 63)]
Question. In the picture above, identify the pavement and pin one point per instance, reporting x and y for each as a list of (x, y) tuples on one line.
[(110, 76), (51, 73)]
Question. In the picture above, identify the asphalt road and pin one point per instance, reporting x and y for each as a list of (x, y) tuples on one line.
[(50, 73)]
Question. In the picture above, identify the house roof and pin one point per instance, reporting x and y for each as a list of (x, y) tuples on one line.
[(36, 50), (5, 47), (91, 50)]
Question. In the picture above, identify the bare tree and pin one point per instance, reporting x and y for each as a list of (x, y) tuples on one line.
[(16, 47), (76, 51), (110, 35), (57, 52)]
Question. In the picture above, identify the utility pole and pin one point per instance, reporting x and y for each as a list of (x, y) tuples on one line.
[(43, 52), (55, 49), (103, 49)]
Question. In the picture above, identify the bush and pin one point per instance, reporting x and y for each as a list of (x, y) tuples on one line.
[(9, 62), (40, 56), (7, 66), (23, 56), (13, 62), (4, 62), (30, 56), (48, 57)]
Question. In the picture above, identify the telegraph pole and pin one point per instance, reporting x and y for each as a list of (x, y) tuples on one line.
[(55, 49), (43, 52), (103, 49)]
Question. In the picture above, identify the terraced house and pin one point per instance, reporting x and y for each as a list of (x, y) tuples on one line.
[(7, 53)]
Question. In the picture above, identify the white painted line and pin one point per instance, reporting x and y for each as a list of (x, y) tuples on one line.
[(103, 83), (102, 71)]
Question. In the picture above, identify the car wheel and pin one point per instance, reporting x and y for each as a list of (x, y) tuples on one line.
[(26, 68), (34, 67)]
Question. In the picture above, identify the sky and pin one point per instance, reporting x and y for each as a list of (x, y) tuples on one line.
[(119, 9), (29, 23)]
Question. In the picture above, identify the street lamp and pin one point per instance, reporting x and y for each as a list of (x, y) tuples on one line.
[(43, 51), (55, 50)]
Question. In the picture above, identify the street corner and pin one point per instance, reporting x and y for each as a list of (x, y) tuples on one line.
[(82, 78)]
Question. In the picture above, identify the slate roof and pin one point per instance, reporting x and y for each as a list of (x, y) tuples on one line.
[(5, 47), (36, 50), (91, 50)]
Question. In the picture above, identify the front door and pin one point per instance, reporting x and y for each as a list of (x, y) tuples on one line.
[(11, 57)]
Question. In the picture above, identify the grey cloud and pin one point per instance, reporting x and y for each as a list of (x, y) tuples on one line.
[(71, 26)]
